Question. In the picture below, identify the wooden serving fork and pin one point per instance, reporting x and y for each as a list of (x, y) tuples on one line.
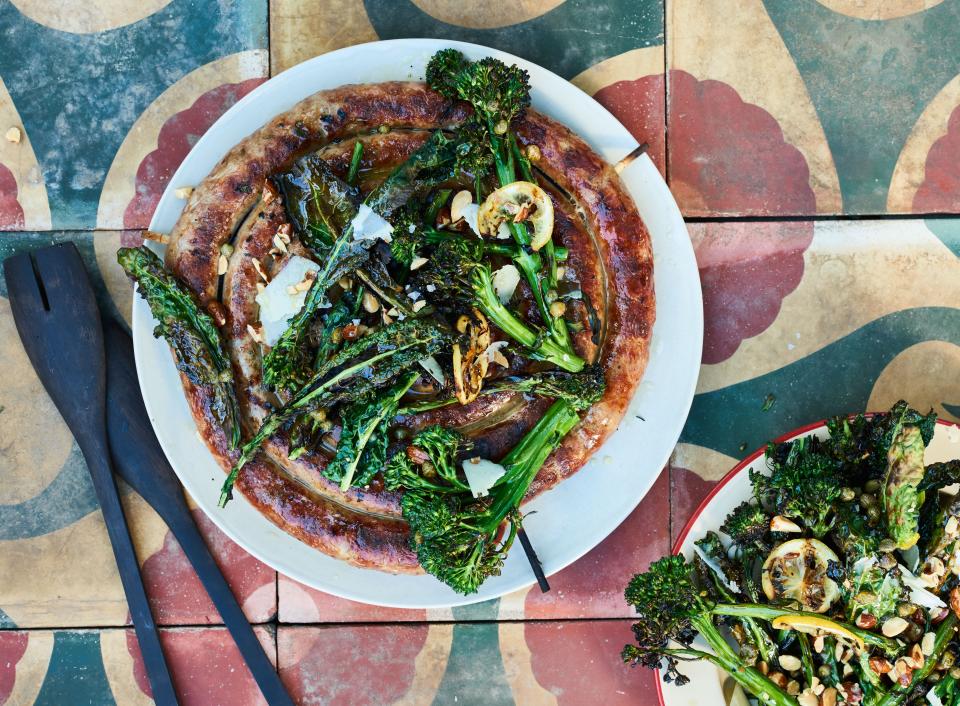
[(56, 315)]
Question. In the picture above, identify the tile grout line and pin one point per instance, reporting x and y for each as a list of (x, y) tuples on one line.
[(666, 97), (345, 624)]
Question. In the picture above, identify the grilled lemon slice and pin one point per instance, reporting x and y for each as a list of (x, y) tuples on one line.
[(797, 570)]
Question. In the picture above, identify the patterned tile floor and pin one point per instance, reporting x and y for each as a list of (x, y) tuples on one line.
[(796, 111)]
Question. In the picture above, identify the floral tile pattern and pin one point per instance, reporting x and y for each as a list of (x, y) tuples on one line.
[(784, 110)]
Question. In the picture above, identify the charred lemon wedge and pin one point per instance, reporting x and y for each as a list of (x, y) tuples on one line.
[(813, 625), (517, 202), (797, 570)]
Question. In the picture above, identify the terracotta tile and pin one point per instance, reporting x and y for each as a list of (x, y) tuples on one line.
[(573, 663), (358, 665), (301, 604), (88, 129), (821, 112), (593, 586), (204, 663)]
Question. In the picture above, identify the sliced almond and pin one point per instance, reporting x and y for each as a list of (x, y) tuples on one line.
[(13, 135), (418, 305), (254, 334), (268, 194), (893, 626), (183, 192), (279, 244), (790, 663), (818, 644), (259, 268), (781, 524), (461, 199), (370, 303), (418, 262), (927, 643), (222, 264)]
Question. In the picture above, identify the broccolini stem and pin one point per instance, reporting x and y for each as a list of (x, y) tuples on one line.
[(433, 236), (770, 613), (749, 678), (542, 348), (439, 199), (806, 657), (944, 634), (355, 162), (506, 174)]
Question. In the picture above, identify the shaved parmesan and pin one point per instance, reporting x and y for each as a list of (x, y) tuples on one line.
[(431, 365), (277, 303), (933, 698), (505, 281), (370, 225), (469, 214), (715, 567), (918, 591), (482, 475), (494, 348)]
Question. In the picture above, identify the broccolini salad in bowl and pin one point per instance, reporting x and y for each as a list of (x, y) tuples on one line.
[(824, 569)]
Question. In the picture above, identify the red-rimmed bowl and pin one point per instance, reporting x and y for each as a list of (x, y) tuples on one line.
[(709, 686)]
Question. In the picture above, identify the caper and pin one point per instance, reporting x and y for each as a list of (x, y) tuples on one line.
[(946, 660), (872, 486), (955, 672), (823, 671), (867, 500), (905, 610), (887, 545), (873, 514), (847, 494)]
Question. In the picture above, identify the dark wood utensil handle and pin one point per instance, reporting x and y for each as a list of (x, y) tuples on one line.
[(139, 459), (96, 454), (263, 671)]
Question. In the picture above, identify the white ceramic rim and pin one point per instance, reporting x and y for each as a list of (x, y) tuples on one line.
[(630, 461)]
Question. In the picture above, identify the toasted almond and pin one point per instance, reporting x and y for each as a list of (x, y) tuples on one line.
[(778, 678), (460, 199), (292, 290), (418, 305), (183, 192), (880, 666), (793, 687), (838, 651), (867, 621), (268, 194), (222, 264), (828, 697), (418, 262), (156, 237), (279, 244), (386, 317), (790, 663), (558, 309), (370, 303), (781, 524), (927, 643), (393, 312), (808, 698), (818, 643), (254, 334), (916, 656), (893, 626), (500, 359), (13, 135), (261, 287), (259, 268), (285, 230), (345, 283), (304, 284)]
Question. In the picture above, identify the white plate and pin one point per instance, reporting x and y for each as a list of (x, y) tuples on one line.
[(578, 514), (706, 681)]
